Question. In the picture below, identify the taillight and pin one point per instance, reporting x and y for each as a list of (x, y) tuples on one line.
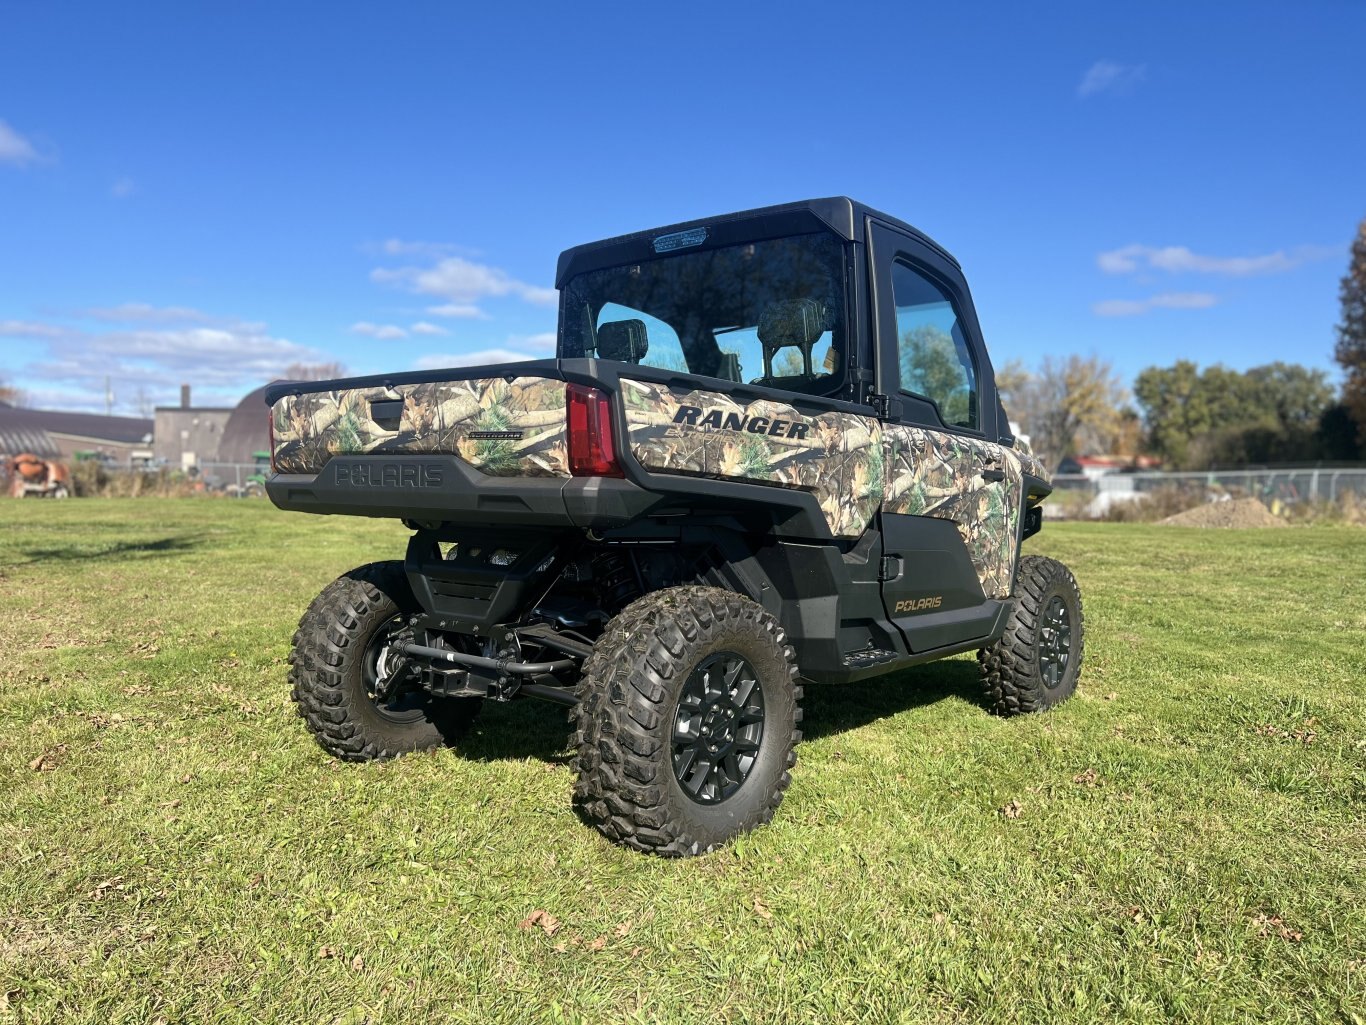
[(592, 452)]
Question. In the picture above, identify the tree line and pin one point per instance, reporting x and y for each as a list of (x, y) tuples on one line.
[(1193, 418)]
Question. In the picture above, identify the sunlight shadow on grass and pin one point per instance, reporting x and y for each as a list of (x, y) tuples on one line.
[(103, 549)]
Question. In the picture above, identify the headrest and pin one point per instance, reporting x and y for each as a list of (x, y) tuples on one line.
[(791, 322), (623, 340)]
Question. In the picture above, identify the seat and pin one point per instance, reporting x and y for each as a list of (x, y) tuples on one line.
[(790, 323), (623, 340)]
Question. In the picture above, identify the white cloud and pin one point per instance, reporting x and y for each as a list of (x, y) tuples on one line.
[(422, 327), (28, 329), (15, 149), (480, 357), (543, 342), (144, 348), (410, 247), (1110, 76), (383, 332), (1165, 301), (1181, 260), (463, 284), (145, 313), (458, 310), (123, 188)]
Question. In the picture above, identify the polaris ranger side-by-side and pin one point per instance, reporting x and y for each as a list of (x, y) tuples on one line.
[(768, 452)]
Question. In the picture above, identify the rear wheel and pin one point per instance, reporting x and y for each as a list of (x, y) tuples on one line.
[(1035, 664), (687, 722), (350, 683)]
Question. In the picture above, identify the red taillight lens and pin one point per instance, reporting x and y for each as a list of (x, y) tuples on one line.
[(592, 452)]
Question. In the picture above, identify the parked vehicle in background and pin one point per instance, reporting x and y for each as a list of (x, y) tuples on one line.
[(32, 477)]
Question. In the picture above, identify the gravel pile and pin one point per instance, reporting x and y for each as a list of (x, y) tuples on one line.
[(1239, 512)]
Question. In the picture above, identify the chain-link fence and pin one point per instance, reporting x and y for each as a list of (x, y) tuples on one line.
[(235, 478), (1083, 496)]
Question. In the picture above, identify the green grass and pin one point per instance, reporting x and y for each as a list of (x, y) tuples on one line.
[(1190, 844)]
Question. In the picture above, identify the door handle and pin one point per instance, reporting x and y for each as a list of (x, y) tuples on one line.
[(994, 476)]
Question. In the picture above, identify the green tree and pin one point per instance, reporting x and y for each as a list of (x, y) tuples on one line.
[(1196, 419), (1351, 344)]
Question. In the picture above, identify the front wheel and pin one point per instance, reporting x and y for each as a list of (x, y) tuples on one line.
[(1035, 664), (349, 682), (687, 721)]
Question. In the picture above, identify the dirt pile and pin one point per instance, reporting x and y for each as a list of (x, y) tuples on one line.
[(1238, 512)]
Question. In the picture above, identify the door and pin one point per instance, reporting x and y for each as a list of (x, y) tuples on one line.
[(943, 463)]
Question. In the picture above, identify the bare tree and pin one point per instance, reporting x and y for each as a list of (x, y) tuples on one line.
[(143, 402), (11, 395), (1067, 405), (314, 371)]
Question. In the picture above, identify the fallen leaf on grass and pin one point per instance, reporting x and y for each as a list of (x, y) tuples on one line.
[(255, 881), (186, 778), (1111, 696), (1090, 778), (358, 964), (762, 911), (112, 883), (1011, 810), (598, 943), (1274, 925), (549, 923), (326, 953), (49, 760), (171, 804), (622, 929)]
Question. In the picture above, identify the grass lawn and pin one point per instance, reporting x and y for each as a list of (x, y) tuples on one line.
[(1187, 838)]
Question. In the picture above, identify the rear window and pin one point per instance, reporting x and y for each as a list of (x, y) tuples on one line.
[(768, 313)]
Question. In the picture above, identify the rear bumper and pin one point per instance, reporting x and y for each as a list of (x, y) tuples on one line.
[(444, 488)]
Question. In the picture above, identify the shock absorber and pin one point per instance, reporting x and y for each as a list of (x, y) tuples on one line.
[(617, 582)]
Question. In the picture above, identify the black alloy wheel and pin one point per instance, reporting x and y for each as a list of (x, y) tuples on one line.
[(718, 728), (1055, 642)]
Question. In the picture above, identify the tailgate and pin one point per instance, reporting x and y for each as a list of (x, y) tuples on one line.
[(500, 426)]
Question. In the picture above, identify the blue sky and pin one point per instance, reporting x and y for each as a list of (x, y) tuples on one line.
[(208, 193)]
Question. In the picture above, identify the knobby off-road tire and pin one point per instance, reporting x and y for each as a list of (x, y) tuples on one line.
[(333, 666), (1035, 664), (641, 685)]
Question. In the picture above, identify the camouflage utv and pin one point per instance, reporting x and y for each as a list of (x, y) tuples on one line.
[(768, 453)]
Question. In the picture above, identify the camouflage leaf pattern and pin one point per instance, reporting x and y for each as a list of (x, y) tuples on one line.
[(934, 473), (437, 416), (1031, 464), (839, 459)]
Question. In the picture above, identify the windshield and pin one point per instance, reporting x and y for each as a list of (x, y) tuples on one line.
[(768, 313)]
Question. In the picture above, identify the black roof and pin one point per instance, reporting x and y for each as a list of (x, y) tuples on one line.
[(124, 430), (16, 438), (846, 217)]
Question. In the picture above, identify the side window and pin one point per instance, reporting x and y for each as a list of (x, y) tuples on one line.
[(935, 360)]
